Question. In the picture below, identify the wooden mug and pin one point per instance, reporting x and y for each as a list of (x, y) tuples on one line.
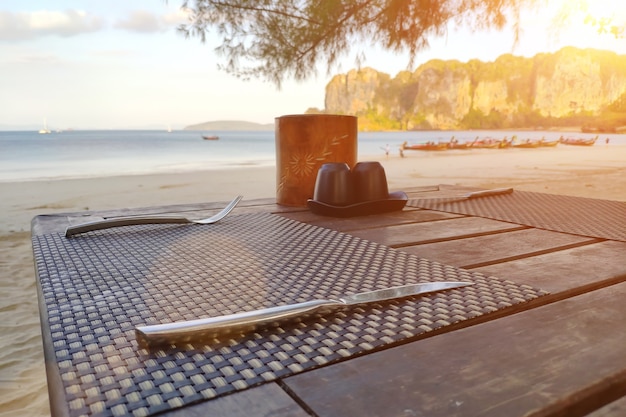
[(304, 142)]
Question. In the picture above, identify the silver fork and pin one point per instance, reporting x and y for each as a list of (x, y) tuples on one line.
[(129, 221)]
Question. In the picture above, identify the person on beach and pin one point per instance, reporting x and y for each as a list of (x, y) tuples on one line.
[(386, 149)]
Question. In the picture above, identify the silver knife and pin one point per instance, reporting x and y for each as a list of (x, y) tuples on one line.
[(185, 331), (470, 196)]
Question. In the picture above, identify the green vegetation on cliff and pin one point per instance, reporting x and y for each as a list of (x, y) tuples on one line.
[(572, 87)]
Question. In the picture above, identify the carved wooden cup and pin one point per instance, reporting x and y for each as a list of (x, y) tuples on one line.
[(304, 142)]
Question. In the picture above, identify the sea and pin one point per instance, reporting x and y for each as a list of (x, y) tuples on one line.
[(29, 156)]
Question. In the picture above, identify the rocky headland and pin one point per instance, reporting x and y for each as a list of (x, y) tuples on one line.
[(576, 87)]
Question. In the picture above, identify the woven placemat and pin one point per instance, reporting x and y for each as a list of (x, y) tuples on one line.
[(581, 216), (98, 286)]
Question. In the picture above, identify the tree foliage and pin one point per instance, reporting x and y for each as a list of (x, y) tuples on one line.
[(279, 39)]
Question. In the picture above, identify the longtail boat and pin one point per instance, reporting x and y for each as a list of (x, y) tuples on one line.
[(548, 143), (428, 146), (455, 144), (527, 144), (486, 143), (541, 143), (578, 141)]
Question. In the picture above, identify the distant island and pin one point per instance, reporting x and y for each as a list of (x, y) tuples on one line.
[(230, 125)]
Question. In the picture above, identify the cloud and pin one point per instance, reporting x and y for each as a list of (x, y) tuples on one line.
[(141, 21), (38, 59), (147, 22), (30, 25), (114, 53)]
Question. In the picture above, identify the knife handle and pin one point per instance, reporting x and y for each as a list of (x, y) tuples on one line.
[(185, 331), (120, 221)]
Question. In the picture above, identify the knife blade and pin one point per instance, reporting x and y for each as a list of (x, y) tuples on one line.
[(207, 327), (468, 196), (487, 193)]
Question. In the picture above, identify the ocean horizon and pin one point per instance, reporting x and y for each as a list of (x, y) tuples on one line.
[(30, 156)]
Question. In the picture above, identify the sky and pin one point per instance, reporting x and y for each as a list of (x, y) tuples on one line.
[(120, 64)]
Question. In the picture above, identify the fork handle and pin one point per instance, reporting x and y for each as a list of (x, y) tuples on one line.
[(121, 221)]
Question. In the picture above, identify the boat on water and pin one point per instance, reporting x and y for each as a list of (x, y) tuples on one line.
[(533, 143), (527, 144), (428, 146), (485, 145), (210, 137), (578, 141), (45, 129), (488, 143), (548, 143), (455, 144), (478, 143), (536, 144)]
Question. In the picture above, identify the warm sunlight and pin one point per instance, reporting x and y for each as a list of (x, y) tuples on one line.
[(496, 157), (607, 17)]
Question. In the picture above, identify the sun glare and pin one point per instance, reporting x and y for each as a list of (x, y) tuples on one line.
[(607, 17), (597, 24)]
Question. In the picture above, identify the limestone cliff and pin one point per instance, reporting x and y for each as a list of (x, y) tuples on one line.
[(509, 92)]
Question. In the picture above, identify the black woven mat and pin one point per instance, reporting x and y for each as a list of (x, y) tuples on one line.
[(98, 286), (582, 216)]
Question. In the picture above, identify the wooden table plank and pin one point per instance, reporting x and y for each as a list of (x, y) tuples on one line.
[(410, 234), (566, 358), (264, 400), (615, 409), (363, 222), (475, 251), (579, 269)]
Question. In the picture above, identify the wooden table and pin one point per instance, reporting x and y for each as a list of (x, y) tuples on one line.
[(561, 354)]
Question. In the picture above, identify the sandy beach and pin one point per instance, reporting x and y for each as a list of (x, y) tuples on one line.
[(597, 172)]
